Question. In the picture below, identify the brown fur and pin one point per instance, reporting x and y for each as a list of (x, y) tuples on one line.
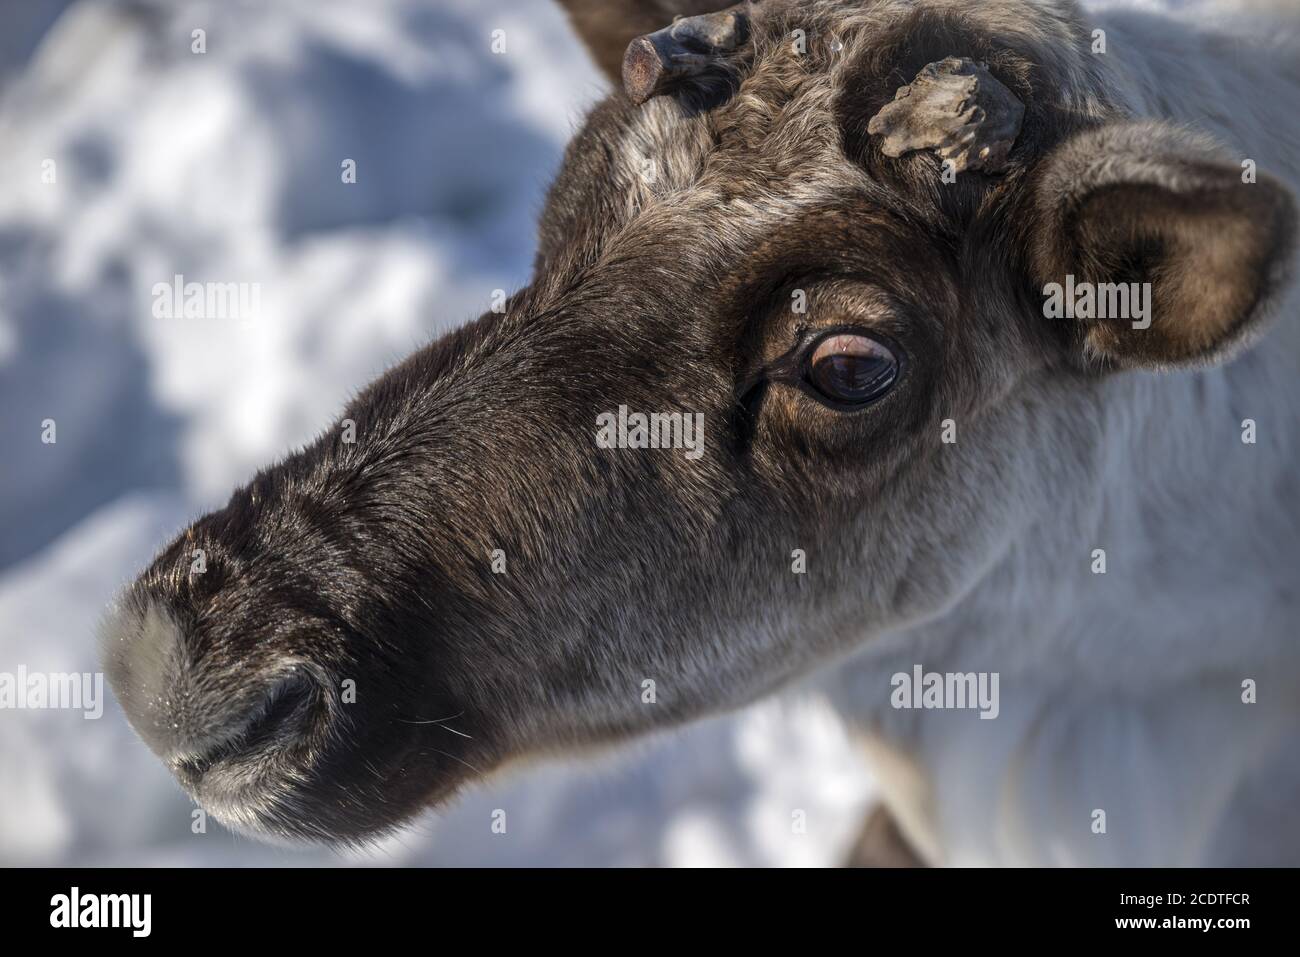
[(371, 561)]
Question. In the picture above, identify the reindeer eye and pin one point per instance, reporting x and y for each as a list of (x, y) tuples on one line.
[(851, 369)]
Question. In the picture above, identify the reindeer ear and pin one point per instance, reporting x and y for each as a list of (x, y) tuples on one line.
[(1153, 222), (608, 26)]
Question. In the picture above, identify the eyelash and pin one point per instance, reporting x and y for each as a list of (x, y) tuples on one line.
[(792, 365), (796, 365)]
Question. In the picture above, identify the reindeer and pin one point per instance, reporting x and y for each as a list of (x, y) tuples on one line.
[(828, 228)]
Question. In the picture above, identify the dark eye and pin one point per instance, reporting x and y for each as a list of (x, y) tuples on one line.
[(851, 369)]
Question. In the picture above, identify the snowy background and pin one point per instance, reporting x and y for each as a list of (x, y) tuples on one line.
[(225, 167)]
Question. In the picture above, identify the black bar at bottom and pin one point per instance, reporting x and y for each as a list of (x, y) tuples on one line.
[(332, 907)]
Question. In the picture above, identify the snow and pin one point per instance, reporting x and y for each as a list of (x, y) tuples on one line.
[(225, 167)]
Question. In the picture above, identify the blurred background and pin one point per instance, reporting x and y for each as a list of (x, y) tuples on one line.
[(225, 167)]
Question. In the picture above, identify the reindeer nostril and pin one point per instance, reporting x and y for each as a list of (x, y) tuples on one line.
[(280, 718), (192, 712), (277, 719), (281, 715)]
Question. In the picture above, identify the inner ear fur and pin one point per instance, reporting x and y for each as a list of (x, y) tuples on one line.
[(1144, 202)]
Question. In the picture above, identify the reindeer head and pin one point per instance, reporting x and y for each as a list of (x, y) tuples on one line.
[(823, 228)]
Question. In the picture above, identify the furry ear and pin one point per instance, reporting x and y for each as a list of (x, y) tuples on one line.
[(1164, 251), (608, 26)]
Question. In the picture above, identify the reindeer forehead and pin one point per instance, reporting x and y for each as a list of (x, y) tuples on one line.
[(766, 132), (772, 146), (790, 62), (784, 129), (671, 188)]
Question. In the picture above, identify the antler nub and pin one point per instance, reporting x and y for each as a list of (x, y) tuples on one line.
[(957, 108), (658, 61)]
